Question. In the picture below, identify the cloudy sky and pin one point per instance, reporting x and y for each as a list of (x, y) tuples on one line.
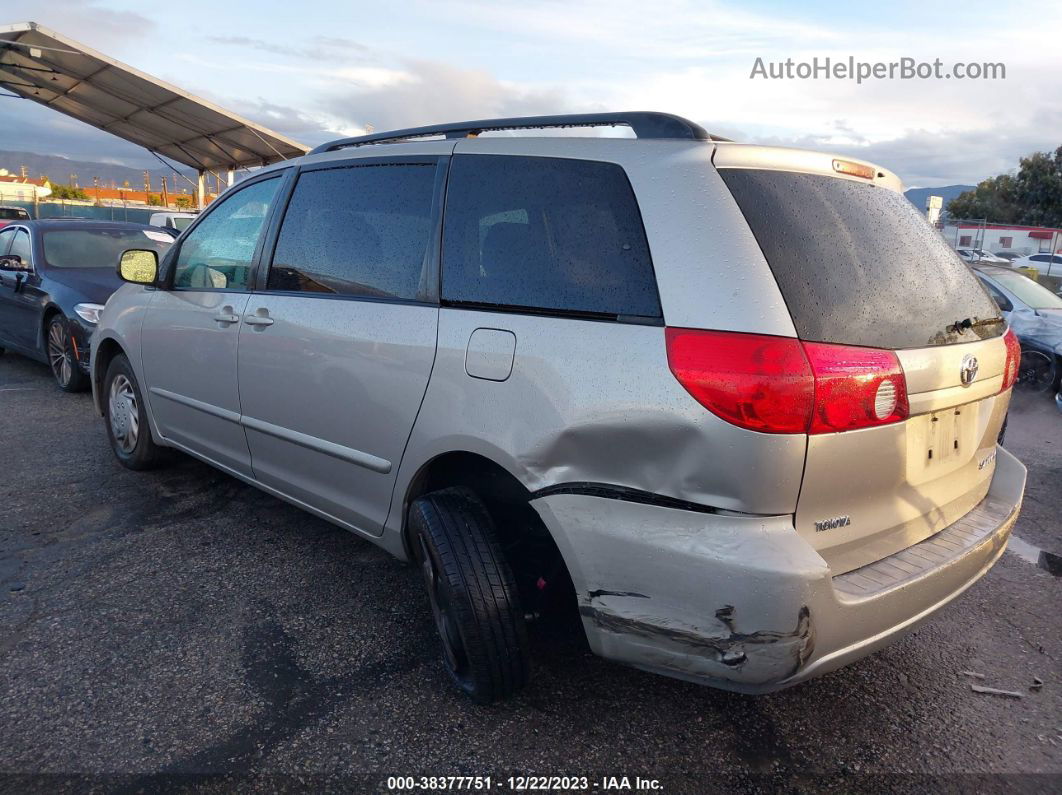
[(316, 68)]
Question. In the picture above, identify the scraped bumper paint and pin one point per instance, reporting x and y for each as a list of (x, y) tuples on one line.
[(743, 602)]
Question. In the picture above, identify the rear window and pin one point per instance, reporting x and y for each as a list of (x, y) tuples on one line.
[(98, 248), (13, 214), (858, 265), (545, 234)]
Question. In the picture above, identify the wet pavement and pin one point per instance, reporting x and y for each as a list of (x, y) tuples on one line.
[(179, 628)]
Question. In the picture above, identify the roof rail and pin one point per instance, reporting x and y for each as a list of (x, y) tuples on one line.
[(646, 124)]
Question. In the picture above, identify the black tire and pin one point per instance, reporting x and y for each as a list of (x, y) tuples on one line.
[(140, 452), (473, 594), (60, 351)]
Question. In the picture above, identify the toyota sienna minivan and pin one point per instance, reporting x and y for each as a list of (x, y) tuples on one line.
[(738, 405)]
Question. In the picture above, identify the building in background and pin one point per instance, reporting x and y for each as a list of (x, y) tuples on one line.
[(994, 238), (14, 188)]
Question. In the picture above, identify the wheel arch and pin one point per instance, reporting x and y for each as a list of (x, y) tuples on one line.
[(51, 309), (102, 356), (530, 548)]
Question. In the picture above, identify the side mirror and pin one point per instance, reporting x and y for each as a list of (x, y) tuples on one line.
[(139, 266), (13, 262)]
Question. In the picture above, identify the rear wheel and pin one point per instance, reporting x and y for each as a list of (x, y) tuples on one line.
[(61, 357), (1037, 371), (473, 595), (126, 418)]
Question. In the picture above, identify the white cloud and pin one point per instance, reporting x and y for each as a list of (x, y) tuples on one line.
[(430, 92), (81, 19)]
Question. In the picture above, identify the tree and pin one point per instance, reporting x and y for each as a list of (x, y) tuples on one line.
[(183, 202), (1032, 196), (68, 192), (153, 200)]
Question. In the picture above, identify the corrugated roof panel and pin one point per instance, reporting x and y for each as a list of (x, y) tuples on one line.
[(111, 96)]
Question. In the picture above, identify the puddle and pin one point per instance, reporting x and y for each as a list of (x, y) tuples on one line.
[(1048, 561)]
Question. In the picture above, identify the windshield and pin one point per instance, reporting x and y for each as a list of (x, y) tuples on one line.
[(857, 264), (98, 248), (1027, 291)]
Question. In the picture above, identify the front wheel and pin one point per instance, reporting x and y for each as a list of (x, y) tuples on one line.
[(126, 418), (473, 594), (61, 356)]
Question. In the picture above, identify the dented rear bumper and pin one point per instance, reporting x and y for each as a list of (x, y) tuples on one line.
[(743, 602)]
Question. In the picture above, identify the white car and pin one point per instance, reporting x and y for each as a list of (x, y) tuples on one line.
[(981, 256), (173, 221), (1046, 263)]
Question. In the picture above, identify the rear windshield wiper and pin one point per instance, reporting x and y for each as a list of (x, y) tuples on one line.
[(960, 326)]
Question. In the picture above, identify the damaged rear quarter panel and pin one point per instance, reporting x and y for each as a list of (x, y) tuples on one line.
[(720, 598), (592, 401)]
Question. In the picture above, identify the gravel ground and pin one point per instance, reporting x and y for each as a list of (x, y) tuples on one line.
[(180, 629)]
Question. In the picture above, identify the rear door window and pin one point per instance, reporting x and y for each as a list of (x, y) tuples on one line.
[(546, 234), (858, 265), (1001, 300), (361, 230)]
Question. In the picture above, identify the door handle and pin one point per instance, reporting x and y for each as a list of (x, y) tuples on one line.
[(226, 316), (260, 318)]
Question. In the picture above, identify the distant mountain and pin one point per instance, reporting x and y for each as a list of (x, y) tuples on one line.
[(918, 196), (58, 170)]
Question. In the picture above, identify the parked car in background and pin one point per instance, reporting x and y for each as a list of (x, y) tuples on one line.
[(973, 255), (1009, 256), (55, 277), (1033, 311), (175, 221), (9, 214), (737, 405), (1045, 263)]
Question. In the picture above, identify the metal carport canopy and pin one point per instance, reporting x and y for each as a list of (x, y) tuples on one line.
[(59, 73)]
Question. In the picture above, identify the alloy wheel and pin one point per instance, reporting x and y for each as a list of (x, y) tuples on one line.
[(59, 355)]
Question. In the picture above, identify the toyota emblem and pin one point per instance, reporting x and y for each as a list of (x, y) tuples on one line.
[(968, 369)]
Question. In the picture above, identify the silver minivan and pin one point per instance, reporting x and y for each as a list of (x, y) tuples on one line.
[(737, 405)]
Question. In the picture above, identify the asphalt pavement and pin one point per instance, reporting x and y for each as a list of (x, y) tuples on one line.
[(179, 629)]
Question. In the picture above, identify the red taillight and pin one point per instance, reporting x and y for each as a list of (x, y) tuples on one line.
[(1010, 370), (855, 387), (757, 382), (783, 385)]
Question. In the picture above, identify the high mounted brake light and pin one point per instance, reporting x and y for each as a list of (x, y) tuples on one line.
[(853, 169), (783, 385)]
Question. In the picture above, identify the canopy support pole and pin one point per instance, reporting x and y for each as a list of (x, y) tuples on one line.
[(230, 176), (201, 190)]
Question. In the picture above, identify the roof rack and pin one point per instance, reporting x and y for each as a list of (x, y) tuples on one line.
[(646, 124)]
